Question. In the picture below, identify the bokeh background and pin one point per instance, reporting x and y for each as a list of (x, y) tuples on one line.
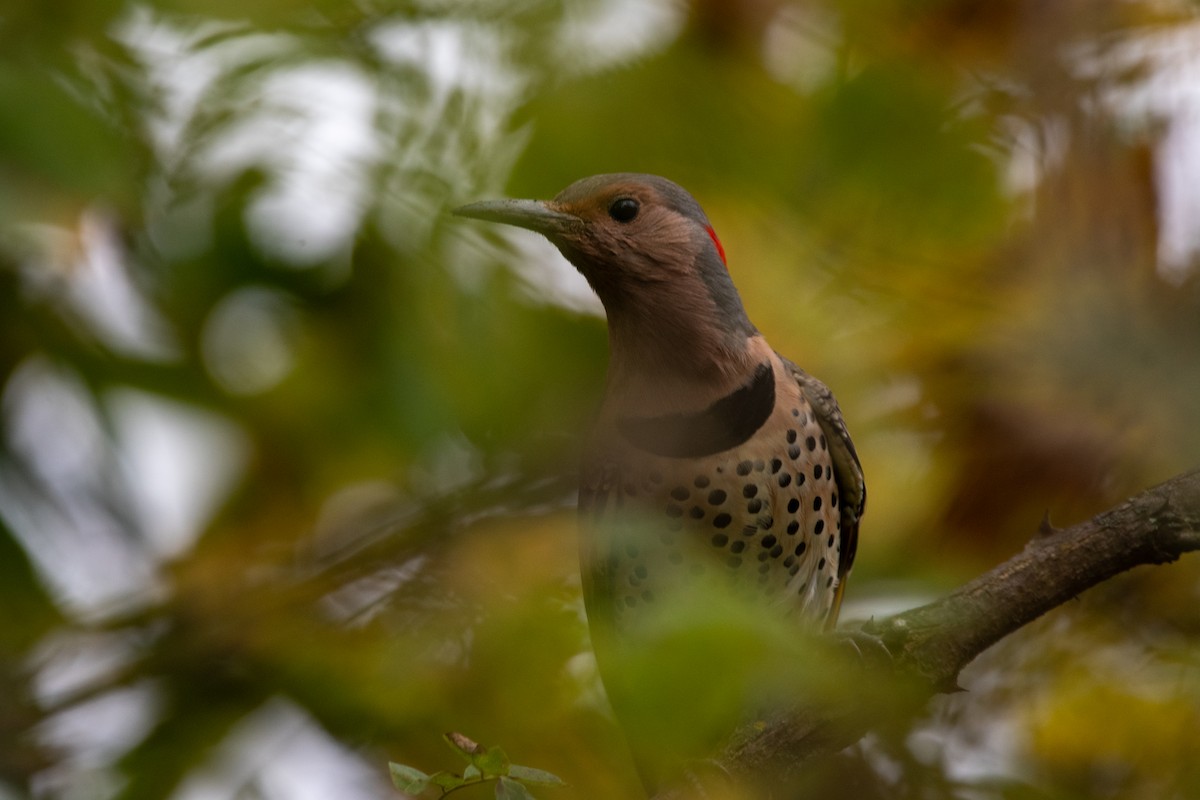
[(287, 453)]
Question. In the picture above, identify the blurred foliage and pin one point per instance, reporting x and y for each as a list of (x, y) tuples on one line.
[(484, 765), (286, 456)]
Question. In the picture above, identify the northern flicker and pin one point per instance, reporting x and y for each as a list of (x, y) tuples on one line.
[(734, 460)]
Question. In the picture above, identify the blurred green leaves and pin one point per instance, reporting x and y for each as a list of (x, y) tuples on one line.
[(883, 149), (484, 765), (56, 146)]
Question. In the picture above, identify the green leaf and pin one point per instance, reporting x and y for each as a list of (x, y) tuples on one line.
[(409, 780), (508, 789), (492, 762), (535, 776), (472, 773), (448, 780)]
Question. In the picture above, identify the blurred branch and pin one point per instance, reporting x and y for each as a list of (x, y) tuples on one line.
[(930, 645)]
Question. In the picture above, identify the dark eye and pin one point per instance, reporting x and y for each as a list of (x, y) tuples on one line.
[(623, 209)]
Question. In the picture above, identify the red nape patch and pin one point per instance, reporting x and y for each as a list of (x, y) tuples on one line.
[(720, 250)]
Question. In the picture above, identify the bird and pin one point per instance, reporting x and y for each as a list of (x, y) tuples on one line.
[(710, 453)]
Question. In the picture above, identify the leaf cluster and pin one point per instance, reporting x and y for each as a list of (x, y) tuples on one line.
[(484, 765)]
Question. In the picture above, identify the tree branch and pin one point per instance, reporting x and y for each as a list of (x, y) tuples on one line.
[(930, 645)]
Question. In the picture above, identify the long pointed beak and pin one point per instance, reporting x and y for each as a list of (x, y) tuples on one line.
[(535, 215)]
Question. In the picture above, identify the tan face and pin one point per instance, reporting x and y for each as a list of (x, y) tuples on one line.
[(628, 228), (646, 247)]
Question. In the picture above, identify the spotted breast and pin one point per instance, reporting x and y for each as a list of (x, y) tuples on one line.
[(659, 505)]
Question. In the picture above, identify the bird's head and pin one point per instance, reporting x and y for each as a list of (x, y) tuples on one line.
[(646, 247)]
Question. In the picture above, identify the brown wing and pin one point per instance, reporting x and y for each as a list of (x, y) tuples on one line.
[(847, 471)]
